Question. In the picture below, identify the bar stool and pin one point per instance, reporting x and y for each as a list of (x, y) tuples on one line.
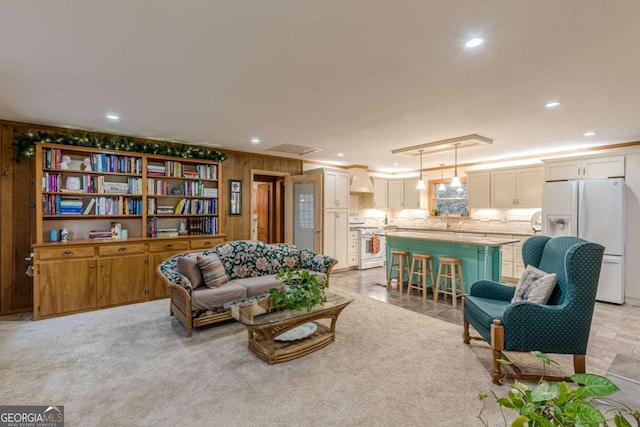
[(402, 266), (449, 270), (424, 271)]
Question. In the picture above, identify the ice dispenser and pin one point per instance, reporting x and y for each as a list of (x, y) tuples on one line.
[(559, 225)]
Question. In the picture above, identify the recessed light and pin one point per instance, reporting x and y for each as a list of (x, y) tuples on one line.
[(396, 164), (113, 117), (474, 42), (589, 133), (340, 154), (552, 104), (255, 140)]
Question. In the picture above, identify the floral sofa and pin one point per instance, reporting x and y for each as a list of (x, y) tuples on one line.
[(250, 266)]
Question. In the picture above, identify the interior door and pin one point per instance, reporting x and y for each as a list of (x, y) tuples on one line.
[(303, 211), (262, 200)]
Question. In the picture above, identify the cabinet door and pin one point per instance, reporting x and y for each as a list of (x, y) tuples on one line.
[(65, 286), (380, 193), (603, 167), (529, 191), (503, 189), (411, 194), (342, 190), (157, 287), (396, 194), (336, 190), (336, 236), (121, 280), (559, 171), (479, 190)]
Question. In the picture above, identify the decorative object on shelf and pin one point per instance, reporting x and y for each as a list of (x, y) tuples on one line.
[(455, 181), (86, 164), (24, 145), (73, 183), (302, 289), (64, 164), (235, 197), (298, 333), (64, 235), (442, 186), (421, 185), (54, 235)]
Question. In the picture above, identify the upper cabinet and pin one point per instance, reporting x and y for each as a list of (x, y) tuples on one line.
[(506, 188), (336, 189), (411, 194), (517, 188), (380, 193), (396, 194), (402, 194), (583, 168)]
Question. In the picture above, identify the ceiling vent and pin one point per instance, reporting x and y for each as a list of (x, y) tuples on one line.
[(444, 145), (299, 150)]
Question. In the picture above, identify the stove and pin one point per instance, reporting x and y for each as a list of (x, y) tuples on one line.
[(371, 245)]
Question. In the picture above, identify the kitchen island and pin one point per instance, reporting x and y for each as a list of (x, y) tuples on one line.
[(481, 256)]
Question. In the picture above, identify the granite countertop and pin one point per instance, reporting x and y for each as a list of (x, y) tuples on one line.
[(450, 238), (426, 228)]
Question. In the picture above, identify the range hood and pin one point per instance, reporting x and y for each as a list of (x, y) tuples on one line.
[(360, 181)]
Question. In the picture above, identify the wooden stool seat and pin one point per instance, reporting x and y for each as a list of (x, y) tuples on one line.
[(450, 272), (424, 271), (402, 266)]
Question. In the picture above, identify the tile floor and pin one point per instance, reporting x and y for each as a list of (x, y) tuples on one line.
[(615, 329)]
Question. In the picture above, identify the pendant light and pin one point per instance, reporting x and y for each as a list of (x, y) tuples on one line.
[(455, 181), (442, 187), (421, 185)]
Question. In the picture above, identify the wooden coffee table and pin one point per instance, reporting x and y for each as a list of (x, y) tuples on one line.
[(265, 327)]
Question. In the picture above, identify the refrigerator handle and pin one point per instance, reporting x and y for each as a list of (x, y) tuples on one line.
[(582, 216)]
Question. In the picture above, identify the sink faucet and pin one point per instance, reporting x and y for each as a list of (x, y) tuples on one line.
[(445, 217)]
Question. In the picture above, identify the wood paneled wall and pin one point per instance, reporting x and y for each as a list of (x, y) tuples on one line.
[(17, 214), (17, 225)]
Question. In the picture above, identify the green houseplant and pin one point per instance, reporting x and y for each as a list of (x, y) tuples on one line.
[(302, 289), (562, 404)]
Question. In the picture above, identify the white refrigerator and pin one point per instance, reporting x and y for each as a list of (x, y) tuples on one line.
[(594, 210)]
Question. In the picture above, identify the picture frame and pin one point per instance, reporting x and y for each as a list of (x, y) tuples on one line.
[(235, 197)]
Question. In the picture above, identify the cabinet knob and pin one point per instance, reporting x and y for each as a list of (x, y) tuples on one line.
[(207, 244), (67, 253), (168, 246), (578, 170), (122, 250)]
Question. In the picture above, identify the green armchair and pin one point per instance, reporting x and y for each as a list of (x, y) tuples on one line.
[(559, 327)]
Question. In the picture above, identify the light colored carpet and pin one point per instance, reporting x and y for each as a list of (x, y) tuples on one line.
[(132, 365)]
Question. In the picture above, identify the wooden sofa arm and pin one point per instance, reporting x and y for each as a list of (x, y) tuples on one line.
[(335, 261), (181, 306)]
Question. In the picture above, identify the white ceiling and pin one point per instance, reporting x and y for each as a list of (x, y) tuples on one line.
[(360, 77)]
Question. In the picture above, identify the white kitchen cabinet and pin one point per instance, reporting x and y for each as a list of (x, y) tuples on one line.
[(380, 193), (396, 194), (336, 189), (336, 236), (517, 188), (507, 271), (518, 263), (411, 194), (352, 251), (584, 167), (479, 189)]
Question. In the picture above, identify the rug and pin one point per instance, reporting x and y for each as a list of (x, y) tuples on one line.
[(132, 365)]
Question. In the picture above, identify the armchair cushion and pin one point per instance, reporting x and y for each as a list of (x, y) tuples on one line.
[(535, 286)]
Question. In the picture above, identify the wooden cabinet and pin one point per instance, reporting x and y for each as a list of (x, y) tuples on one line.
[(158, 252), (517, 188), (121, 274), (336, 189), (396, 194), (479, 189), (380, 193), (584, 167), (66, 285), (335, 236)]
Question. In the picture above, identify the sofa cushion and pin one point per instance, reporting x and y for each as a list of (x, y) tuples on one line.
[(188, 267), (205, 298), (213, 271), (245, 258), (535, 286), (283, 256), (258, 285)]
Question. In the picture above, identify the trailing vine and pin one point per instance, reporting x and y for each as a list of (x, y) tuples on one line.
[(24, 145)]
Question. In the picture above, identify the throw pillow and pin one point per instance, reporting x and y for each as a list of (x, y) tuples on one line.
[(535, 286), (212, 271), (188, 267)]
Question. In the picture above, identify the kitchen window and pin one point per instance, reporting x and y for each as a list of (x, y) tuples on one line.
[(450, 201)]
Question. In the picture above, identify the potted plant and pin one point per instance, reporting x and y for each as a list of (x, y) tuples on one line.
[(301, 289), (561, 404)]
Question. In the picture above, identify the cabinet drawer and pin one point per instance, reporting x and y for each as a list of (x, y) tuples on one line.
[(137, 248), (353, 235), (70, 252), (206, 243), (352, 260), (169, 246), (353, 247)]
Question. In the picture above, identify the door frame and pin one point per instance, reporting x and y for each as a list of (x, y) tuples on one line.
[(253, 206)]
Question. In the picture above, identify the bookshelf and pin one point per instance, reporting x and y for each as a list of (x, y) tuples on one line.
[(167, 205)]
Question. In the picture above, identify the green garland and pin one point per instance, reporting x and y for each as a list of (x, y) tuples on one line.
[(24, 145)]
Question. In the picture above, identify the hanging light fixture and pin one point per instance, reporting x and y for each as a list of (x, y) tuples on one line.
[(455, 181), (442, 187), (421, 185)]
